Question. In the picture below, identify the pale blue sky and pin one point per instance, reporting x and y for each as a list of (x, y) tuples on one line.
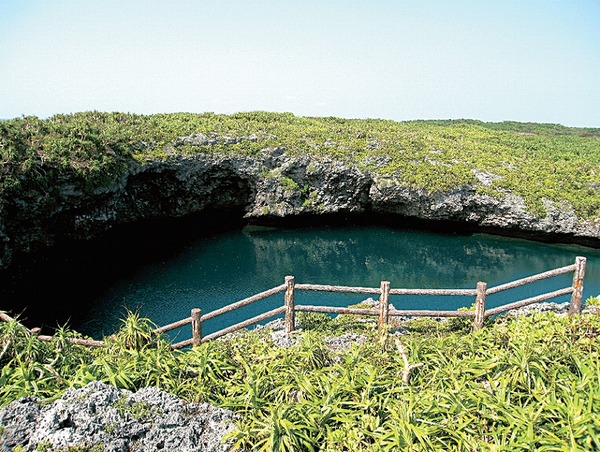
[(523, 60)]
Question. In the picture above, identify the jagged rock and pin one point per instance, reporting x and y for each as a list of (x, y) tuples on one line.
[(16, 421), (284, 340), (305, 186), (345, 341), (119, 420), (271, 184), (558, 308), (466, 205)]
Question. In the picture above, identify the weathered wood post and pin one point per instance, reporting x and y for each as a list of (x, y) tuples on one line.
[(578, 274), (290, 313), (196, 326), (384, 306), (480, 305)]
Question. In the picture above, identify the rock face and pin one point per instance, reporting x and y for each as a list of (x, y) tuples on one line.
[(466, 205), (119, 420), (271, 185)]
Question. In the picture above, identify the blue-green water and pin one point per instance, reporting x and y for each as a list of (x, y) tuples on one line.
[(212, 271)]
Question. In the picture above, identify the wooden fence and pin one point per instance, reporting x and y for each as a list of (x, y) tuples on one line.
[(383, 312)]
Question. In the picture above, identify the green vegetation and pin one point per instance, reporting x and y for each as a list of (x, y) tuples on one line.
[(592, 302), (526, 383), (289, 184), (535, 161)]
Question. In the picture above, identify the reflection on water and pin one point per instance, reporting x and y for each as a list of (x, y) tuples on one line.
[(215, 270)]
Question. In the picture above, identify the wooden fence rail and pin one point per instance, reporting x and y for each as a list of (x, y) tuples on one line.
[(35, 331), (383, 311)]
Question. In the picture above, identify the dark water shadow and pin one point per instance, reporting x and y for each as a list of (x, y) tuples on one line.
[(61, 284)]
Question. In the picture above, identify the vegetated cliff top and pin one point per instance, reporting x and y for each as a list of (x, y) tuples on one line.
[(535, 161)]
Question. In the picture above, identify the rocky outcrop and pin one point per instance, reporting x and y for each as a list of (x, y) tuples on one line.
[(466, 205), (271, 185), (119, 420)]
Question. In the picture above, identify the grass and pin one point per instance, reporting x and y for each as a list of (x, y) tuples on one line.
[(522, 382), (90, 150)]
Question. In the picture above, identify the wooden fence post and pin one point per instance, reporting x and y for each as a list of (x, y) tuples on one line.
[(196, 326), (5, 317), (384, 306), (290, 314), (480, 306), (575, 304)]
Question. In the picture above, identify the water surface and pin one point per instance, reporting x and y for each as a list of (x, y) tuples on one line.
[(220, 268)]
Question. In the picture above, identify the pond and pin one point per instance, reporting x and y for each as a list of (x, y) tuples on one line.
[(166, 272)]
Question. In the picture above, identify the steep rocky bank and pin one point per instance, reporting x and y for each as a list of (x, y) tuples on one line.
[(270, 187)]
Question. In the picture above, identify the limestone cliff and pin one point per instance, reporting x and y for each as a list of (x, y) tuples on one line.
[(272, 185)]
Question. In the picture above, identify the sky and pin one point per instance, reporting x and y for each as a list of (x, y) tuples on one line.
[(492, 60)]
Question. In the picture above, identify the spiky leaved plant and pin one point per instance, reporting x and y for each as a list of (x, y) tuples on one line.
[(136, 332)]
